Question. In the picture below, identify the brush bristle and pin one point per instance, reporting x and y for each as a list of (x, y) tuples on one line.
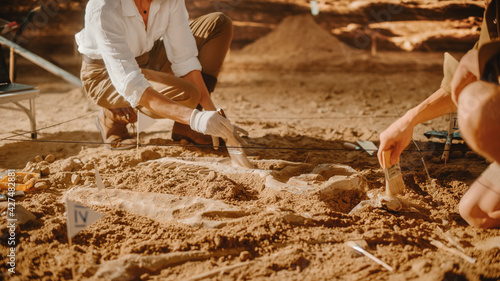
[(395, 185)]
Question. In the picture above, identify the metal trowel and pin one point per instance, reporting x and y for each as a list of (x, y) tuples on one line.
[(368, 146), (235, 149), (237, 154)]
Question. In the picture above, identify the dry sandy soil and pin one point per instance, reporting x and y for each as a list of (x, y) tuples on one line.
[(301, 94)]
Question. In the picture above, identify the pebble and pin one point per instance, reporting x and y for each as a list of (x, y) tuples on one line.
[(184, 142), (27, 177), (88, 166), (45, 171), (38, 158), (50, 158), (75, 179), (35, 169), (77, 163), (67, 166), (391, 203), (149, 155), (41, 185)]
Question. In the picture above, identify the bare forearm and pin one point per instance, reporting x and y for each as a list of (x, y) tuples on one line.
[(205, 100), (165, 107), (438, 104)]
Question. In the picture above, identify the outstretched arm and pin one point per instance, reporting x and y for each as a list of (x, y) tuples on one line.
[(399, 134)]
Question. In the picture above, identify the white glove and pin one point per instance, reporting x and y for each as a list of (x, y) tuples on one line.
[(211, 123)]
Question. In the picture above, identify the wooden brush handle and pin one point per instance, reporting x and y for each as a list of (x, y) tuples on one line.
[(386, 159)]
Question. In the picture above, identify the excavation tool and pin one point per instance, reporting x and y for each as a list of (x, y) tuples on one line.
[(368, 146), (235, 149), (350, 145), (394, 183), (450, 135), (453, 126)]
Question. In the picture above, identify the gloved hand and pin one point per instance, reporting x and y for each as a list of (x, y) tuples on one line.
[(212, 123)]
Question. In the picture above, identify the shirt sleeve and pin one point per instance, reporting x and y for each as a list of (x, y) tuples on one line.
[(179, 41), (120, 62), (450, 65)]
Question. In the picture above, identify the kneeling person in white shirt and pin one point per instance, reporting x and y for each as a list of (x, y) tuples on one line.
[(145, 55)]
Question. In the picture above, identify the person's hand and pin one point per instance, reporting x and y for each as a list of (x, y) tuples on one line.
[(395, 138), (466, 73), (214, 124), (238, 131)]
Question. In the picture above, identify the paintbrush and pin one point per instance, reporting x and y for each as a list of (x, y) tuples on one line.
[(394, 183)]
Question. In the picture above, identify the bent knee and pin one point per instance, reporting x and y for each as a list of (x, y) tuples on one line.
[(192, 95), (479, 207), (479, 118), (470, 212), (223, 18)]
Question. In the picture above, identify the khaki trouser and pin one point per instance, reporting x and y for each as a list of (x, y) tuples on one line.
[(213, 34)]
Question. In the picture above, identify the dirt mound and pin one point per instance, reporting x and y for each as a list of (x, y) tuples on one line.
[(298, 40)]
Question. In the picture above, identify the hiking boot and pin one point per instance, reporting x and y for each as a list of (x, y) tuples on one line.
[(112, 124)]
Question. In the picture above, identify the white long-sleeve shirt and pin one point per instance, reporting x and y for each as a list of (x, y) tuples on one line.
[(115, 32)]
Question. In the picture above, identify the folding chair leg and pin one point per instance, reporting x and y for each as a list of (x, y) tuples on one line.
[(32, 119)]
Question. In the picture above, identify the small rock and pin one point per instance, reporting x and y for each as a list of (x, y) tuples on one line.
[(45, 171), (75, 179), (19, 179), (245, 255), (50, 158), (149, 155), (41, 185), (88, 166), (184, 142), (77, 164), (35, 169), (145, 276), (67, 165), (391, 203), (28, 166), (38, 158), (27, 177)]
